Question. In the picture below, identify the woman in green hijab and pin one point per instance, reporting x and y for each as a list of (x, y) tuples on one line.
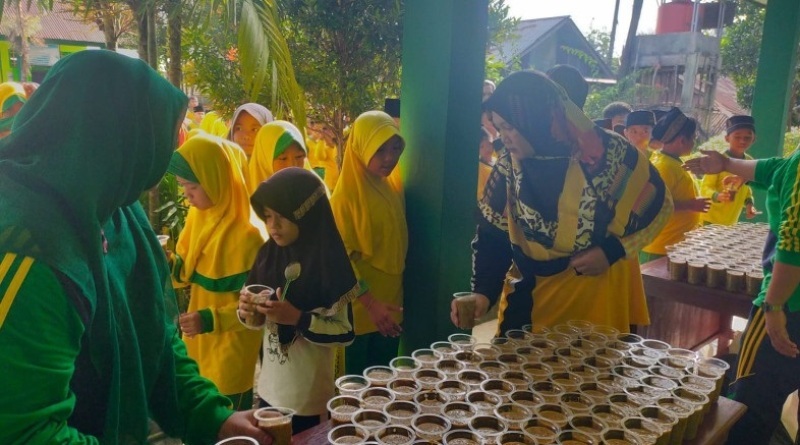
[(88, 346)]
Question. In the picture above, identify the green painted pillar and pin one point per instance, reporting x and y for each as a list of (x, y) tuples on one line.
[(444, 44), (776, 70)]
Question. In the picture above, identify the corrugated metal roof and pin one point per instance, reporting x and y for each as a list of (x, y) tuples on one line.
[(58, 24), (527, 33)]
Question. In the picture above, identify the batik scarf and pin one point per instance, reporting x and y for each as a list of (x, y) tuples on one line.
[(553, 203), (370, 210)]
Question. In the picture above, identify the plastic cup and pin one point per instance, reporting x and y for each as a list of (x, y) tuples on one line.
[(238, 440), (493, 368), (612, 415), (395, 435), (588, 424), (465, 342), (512, 360), (646, 429), (371, 420), (556, 413), (526, 398), (444, 348), (459, 413), (379, 376), (519, 336), (575, 437), (484, 402), (449, 367), (577, 403), (504, 344), (429, 378), (567, 380), (342, 408), (713, 368), (401, 412), (490, 428), (277, 422), (487, 351), (462, 437), (613, 436), (430, 426), (500, 388), (469, 358), (376, 398), (430, 402), (683, 411), (258, 294), (541, 429), (405, 366), (472, 377), (465, 307), (529, 353), (516, 438), (404, 389), (351, 384), (514, 415), (700, 401), (454, 390), (163, 240), (551, 392), (537, 371), (348, 434), (598, 392), (519, 379), (665, 419), (556, 363), (427, 357)]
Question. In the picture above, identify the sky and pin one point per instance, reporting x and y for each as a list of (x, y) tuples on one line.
[(589, 14)]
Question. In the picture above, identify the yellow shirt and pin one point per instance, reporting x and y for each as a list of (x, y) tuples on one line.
[(725, 213), (681, 185)]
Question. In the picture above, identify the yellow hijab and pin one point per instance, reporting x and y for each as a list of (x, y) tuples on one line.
[(271, 140), (370, 210), (213, 123), (220, 242)]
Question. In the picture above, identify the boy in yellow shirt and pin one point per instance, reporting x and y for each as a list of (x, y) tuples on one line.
[(638, 128), (676, 131), (728, 192)]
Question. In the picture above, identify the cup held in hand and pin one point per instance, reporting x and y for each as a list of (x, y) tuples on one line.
[(465, 305), (258, 294)]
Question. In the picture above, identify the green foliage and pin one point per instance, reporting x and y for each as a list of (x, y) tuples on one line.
[(740, 47), (600, 39), (501, 27), (590, 61)]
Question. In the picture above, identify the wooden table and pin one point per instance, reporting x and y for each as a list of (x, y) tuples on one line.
[(714, 430), (689, 316)]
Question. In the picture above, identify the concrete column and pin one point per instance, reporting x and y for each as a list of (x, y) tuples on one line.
[(444, 44), (776, 69)]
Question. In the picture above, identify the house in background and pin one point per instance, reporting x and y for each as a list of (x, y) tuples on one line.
[(543, 43), (59, 33)]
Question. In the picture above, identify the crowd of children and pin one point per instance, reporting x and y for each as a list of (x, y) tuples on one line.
[(266, 208)]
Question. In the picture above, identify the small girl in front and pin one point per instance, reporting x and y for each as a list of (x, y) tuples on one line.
[(307, 322)]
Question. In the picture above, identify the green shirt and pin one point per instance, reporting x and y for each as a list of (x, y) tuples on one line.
[(40, 339), (781, 178)]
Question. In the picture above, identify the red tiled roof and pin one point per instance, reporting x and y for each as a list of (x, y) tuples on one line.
[(58, 24)]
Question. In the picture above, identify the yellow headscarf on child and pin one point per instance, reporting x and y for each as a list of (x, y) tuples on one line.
[(272, 140), (220, 242), (213, 123), (370, 210)]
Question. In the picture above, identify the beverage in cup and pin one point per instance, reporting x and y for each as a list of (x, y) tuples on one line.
[(465, 306), (277, 422), (258, 294)]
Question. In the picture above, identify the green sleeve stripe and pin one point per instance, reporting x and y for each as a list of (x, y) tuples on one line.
[(13, 270), (207, 318), (231, 283), (790, 227), (177, 265)]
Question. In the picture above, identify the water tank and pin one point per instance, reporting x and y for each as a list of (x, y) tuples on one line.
[(676, 16)]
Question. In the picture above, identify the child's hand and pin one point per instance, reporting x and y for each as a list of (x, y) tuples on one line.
[(381, 315), (280, 311), (724, 196), (191, 324), (750, 211), (700, 205), (246, 306)]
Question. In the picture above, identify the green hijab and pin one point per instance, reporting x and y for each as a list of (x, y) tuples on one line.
[(71, 171)]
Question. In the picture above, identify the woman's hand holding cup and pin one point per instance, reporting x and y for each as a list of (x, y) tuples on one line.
[(466, 307)]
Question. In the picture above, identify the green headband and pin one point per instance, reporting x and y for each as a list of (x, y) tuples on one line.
[(179, 167), (283, 143)]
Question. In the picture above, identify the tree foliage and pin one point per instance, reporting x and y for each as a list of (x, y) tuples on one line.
[(739, 49), (346, 54)]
